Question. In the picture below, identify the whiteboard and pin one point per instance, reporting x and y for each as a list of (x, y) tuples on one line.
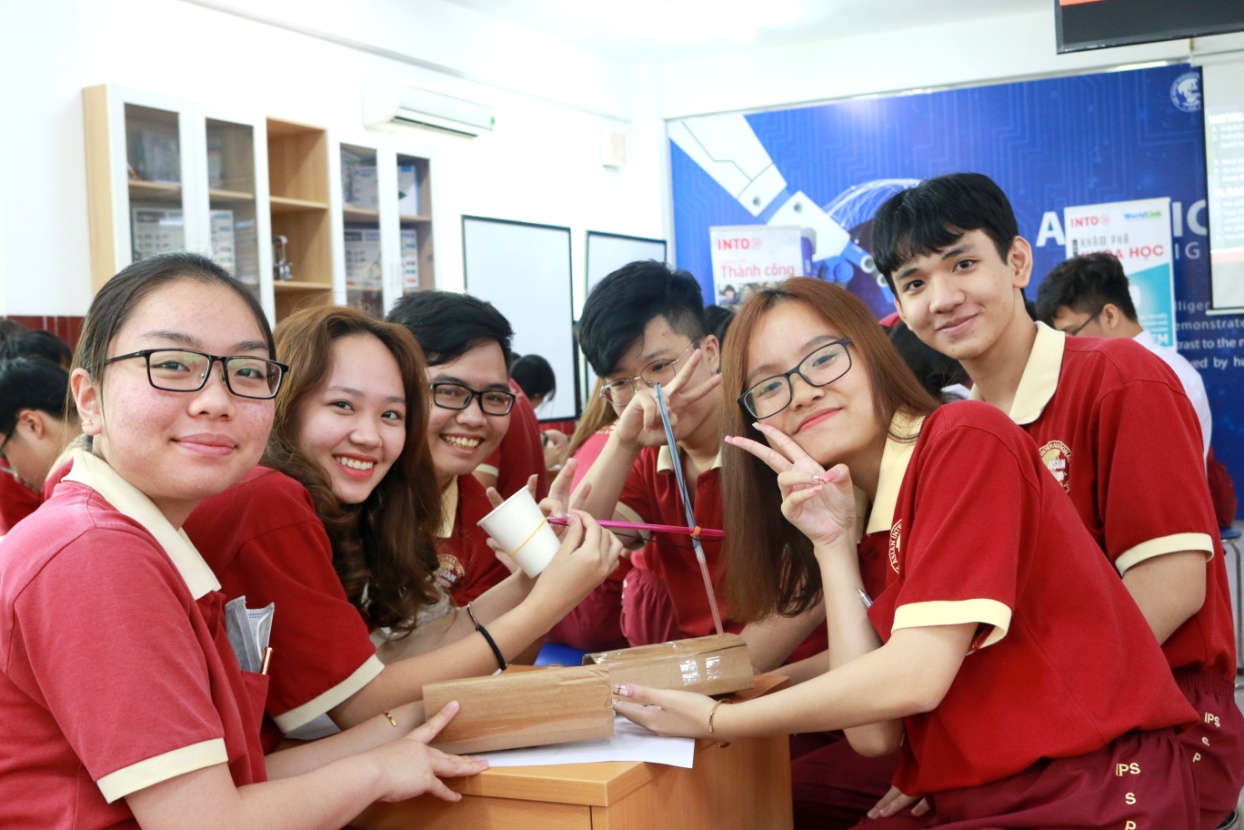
[(607, 252), (524, 270)]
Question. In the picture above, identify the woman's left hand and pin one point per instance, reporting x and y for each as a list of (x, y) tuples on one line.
[(665, 712), (819, 502)]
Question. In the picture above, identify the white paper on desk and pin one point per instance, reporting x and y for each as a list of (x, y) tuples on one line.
[(629, 743)]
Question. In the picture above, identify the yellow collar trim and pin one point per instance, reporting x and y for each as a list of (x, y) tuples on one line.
[(1039, 381), (96, 473), (449, 510), (665, 461), (894, 460)]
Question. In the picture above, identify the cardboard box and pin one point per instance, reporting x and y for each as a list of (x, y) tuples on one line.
[(710, 665), (526, 708)]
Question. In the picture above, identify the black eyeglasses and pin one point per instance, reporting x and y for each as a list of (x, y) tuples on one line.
[(1080, 327), (821, 367), (5, 443), (662, 371), (448, 395), (186, 370)]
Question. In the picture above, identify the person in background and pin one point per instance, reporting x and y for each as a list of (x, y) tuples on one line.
[(37, 343), (953, 640), (338, 531), (535, 377), (1112, 424), (941, 376), (1089, 296), (122, 698), (595, 624), (35, 421)]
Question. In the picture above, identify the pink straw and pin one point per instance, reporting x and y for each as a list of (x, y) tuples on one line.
[(702, 532)]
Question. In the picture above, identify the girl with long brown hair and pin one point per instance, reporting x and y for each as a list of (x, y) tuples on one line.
[(975, 629), (338, 531)]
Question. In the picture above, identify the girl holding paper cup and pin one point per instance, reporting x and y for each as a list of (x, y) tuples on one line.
[(975, 629), (338, 530), (120, 693)]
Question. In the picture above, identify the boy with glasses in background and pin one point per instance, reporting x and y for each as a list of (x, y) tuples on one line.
[(467, 345)]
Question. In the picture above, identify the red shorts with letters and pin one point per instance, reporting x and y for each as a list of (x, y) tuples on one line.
[(1141, 781), (1215, 744)]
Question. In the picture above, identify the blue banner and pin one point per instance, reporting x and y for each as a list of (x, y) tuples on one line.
[(1050, 144)]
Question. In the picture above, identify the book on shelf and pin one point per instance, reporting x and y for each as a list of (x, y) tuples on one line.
[(407, 190), (363, 268), (224, 248), (410, 260), (155, 231)]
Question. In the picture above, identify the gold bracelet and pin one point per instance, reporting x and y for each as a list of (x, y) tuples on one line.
[(712, 713), (394, 722)]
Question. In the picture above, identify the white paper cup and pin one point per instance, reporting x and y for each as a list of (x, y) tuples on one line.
[(520, 528)]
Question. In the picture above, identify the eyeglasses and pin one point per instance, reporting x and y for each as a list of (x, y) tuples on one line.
[(1080, 327), (5, 443), (456, 396), (186, 370), (662, 371), (822, 367)]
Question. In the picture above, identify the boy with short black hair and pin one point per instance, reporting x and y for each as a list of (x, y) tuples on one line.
[(1112, 425), (643, 325)]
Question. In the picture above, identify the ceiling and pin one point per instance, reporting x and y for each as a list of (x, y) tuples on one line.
[(638, 31)]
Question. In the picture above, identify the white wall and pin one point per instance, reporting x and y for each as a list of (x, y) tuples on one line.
[(541, 164), (995, 49)]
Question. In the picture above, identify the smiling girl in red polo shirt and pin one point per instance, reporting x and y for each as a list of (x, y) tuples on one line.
[(1012, 701), (122, 700), (338, 531)]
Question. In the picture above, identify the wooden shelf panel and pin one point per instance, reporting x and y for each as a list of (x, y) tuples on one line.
[(230, 196), (285, 204), (296, 286), (154, 191), (415, 220), (353, 214)]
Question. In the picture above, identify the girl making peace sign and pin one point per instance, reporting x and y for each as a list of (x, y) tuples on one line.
[(975, 627)]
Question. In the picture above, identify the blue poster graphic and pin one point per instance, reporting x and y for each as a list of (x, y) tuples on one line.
[(1049, 144)]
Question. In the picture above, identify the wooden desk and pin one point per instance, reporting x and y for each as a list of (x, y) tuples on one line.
[(745, 784)]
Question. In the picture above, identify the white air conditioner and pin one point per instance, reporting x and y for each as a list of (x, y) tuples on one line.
[(389, 104)]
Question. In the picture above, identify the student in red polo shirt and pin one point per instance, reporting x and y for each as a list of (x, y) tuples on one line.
[(122, 700), (1113, 426), (339, 535), (35, 427), (970, 658)]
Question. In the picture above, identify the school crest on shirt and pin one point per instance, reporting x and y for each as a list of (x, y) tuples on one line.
[(895, 533), (1057, 458), (450, 570)]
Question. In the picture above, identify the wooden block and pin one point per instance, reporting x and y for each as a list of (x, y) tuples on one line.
[(530, 708), (710, 665)]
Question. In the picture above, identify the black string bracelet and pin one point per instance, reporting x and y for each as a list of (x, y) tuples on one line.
[(492, 644)]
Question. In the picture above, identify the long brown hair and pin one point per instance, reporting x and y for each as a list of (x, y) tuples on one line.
[(770, 567), (383, 549), (597, 415)]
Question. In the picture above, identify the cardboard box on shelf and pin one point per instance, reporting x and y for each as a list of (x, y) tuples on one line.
[(710, 665), (523, 708)]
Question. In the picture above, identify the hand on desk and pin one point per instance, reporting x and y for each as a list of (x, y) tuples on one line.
[(409, 767), (665, 712)]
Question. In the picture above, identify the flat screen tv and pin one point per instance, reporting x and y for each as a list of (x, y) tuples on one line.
[(1096, 24)]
